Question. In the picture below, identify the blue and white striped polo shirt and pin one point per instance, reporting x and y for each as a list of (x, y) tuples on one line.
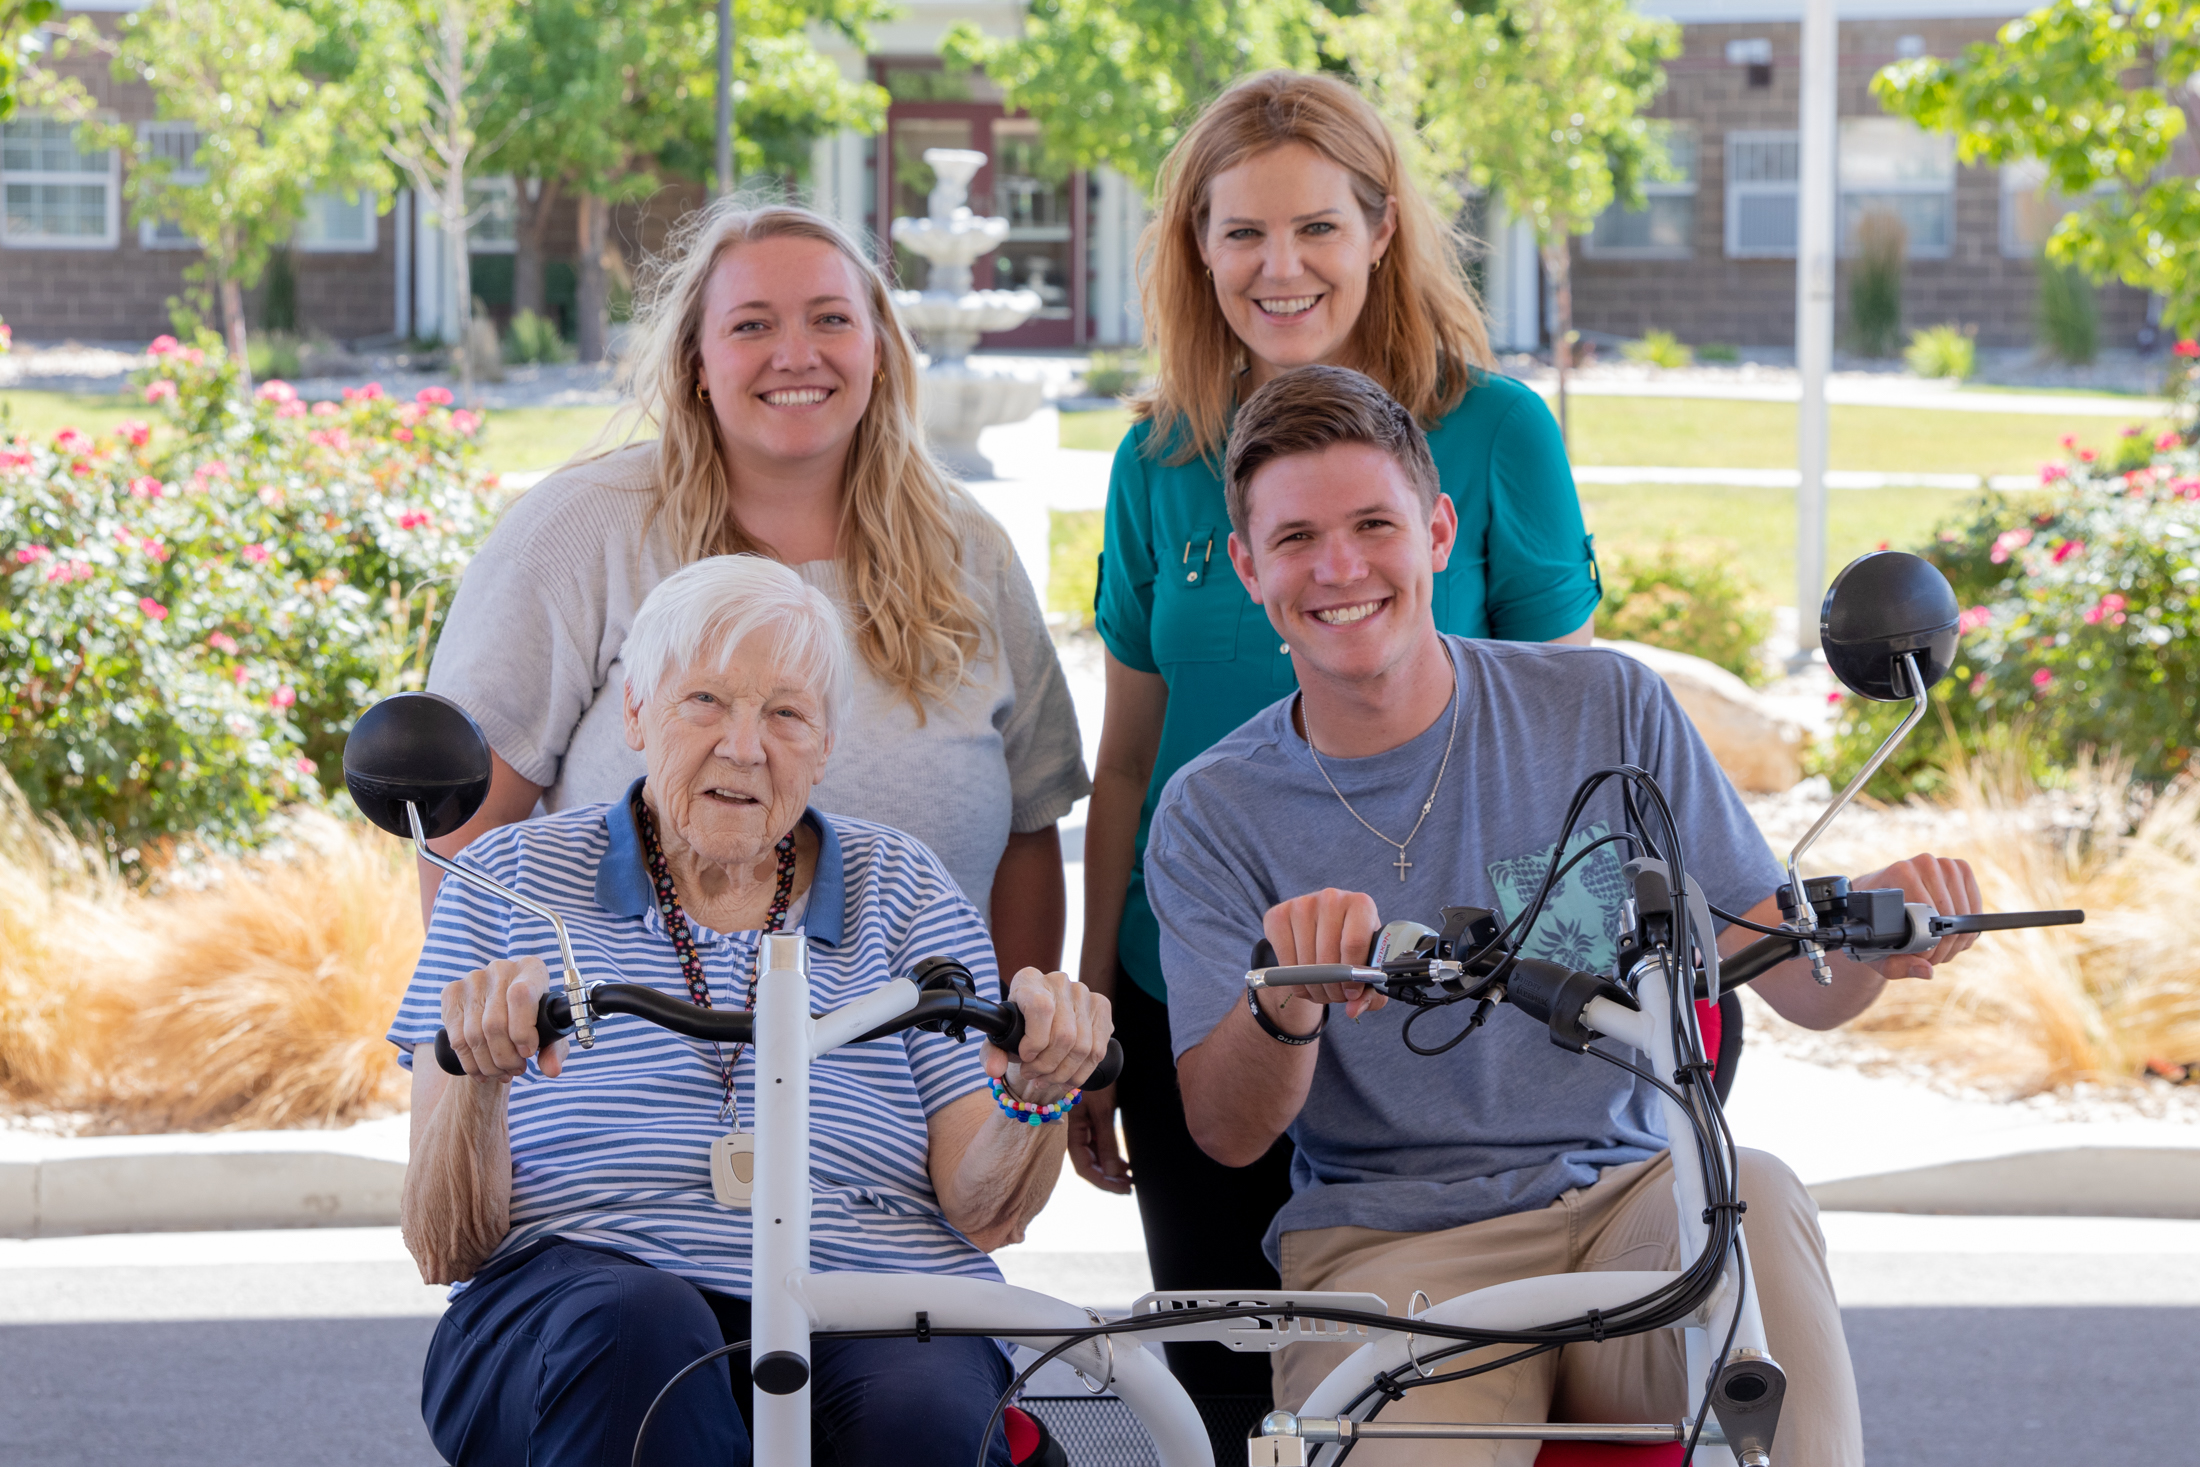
[(616, 1150)]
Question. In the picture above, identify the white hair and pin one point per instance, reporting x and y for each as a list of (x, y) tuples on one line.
[(719, 602)]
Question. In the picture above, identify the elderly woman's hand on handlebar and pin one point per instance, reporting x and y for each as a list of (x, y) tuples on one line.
[(1327, 926), (1066, 1031), (490, 1016)]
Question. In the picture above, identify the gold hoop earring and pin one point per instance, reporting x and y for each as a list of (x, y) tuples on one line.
[(702, 393), (1209, 273), (1377, 267), (878, 378)]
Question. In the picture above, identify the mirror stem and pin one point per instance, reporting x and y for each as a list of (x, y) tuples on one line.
[(1803, 921), (584, 1029)]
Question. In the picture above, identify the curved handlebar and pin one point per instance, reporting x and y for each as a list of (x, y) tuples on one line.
[(940, 1009)]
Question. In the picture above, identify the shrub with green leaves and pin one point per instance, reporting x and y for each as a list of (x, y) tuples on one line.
[(191, 616), (2081, 622), (1658, 349), (534, 338), (1686, 600), (1114, 373), (2069, 317), (1946, 350)]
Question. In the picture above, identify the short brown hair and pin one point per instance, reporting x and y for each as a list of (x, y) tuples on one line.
[(1309, 409)]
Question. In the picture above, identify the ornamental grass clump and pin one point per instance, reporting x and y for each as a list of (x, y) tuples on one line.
[(2080, 621), (191, 615)]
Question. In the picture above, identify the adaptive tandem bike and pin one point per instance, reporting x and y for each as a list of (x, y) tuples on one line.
[(418, 766)]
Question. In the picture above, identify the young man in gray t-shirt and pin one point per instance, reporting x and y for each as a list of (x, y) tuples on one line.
[(1414, 771)]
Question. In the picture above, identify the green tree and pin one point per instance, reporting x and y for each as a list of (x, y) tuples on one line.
[(602, 97), (17, 18), (1535, 102), (1114, 82), (265, 132), (433, 56), (2099, 91)]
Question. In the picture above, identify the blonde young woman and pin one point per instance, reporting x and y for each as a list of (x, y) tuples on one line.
[(767, 353), (1287, 233)]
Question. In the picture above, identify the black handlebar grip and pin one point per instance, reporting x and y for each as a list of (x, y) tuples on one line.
[(553, 1019)]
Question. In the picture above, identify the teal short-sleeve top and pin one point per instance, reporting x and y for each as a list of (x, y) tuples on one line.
[(1168, 603)]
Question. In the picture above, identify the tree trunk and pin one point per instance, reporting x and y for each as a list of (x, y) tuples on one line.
[(458, 279), (593, 303), (232, 298), (531, 239), (1558, 259)]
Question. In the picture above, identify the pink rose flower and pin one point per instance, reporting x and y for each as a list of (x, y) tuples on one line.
[(135, 433), (282, 697), (2008, 542), (326, 409), (2164, 442), (271, 496), (275, 389), (1833, 698), (1978, 685), (162, 346), (152, 608), (160, 391), (2133, 431), (2070, 440), (2051, 473), (240, 675), (32, 554), (145, 487), (2087, 455), (155, 549), (256, 554), (1972, 619), (68, 440), (291, 409), (413, 519), (464, 422), (194, 356), (433, 397), (307, 766), (2068, 550), (15, 458), (2042, 678), (2187, 348), (222, 642), (403, 435)]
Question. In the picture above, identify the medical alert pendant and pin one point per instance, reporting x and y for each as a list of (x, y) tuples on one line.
[(733, 1169)]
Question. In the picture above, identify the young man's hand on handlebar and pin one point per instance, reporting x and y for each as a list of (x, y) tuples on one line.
[(1327, 926), (1066, 1031), (490, 1016)]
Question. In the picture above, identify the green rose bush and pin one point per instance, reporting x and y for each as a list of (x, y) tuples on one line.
[(193, 609), (2081, 623)]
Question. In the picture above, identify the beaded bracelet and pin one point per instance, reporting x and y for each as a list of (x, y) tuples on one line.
[(1030, 1112)]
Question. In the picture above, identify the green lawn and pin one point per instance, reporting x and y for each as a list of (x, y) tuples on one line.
[(1754, 528), (512, 440), (1682, 432)]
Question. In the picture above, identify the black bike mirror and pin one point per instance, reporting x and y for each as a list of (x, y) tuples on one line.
[(418, 748), (1880, 607)]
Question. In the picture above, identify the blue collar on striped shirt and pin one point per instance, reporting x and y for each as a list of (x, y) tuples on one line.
[(622, 881)]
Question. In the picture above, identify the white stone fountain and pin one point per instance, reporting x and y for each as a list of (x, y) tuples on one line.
[(949, 317)]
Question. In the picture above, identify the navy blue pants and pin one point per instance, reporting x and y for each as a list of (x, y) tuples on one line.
[(550, 1358)]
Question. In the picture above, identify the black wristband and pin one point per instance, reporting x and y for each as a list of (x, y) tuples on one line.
[(1276, 1031)]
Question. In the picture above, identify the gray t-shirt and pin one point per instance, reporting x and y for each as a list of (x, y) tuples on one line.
[(1505, 1122), (532, 651)]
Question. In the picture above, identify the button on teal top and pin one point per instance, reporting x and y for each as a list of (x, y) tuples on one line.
[(1170, 604)]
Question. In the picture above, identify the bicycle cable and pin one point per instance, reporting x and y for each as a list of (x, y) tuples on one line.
[(641, 1433)]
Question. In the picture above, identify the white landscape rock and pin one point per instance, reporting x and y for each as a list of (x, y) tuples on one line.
[(1760, 751)]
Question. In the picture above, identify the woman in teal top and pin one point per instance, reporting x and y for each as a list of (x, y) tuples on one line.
[(1287, 233)]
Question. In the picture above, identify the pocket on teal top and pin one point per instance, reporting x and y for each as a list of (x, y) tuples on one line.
[(1196, 599)]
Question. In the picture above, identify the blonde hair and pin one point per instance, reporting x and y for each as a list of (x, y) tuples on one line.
[(1420, 329), (903, 521)]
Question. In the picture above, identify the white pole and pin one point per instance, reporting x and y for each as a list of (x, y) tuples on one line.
[(1814, 254), (779, 1207)]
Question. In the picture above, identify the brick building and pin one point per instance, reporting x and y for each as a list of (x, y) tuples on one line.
[(1712, 258)]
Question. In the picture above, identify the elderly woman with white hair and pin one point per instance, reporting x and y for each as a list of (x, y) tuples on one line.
[(569, 1195)]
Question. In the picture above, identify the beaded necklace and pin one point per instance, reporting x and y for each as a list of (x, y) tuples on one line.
[(683, 940)]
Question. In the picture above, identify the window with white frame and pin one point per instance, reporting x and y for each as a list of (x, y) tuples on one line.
[(2031, 207), (1890, 165), (1664, 228), (337, 223), (176, 144), (492, 202), (1761, 184), (52, 196)]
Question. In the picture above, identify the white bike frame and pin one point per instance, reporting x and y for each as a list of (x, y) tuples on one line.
[(789, 1301)]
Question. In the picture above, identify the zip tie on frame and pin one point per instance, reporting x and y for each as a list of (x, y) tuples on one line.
[(924, 1327), (1739, 1207), (1109, 1378), (1596, 1326)]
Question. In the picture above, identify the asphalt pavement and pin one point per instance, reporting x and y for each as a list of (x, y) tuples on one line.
[(2010, 1387)]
